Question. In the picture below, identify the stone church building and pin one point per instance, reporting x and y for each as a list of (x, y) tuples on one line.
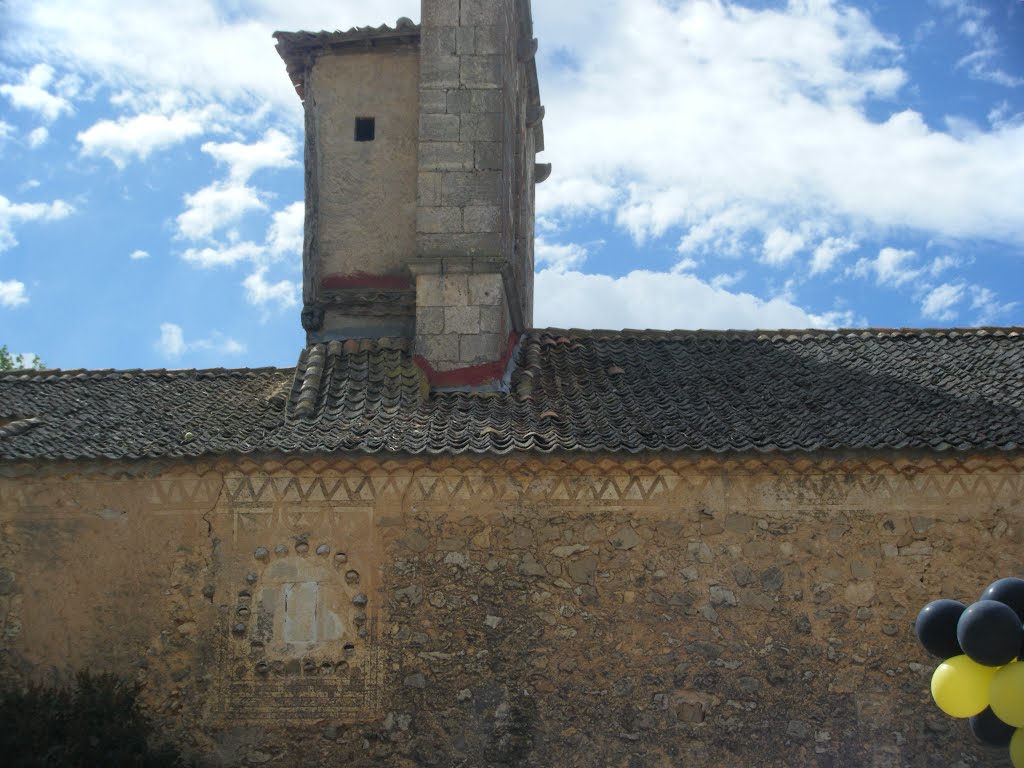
[(447, 538)]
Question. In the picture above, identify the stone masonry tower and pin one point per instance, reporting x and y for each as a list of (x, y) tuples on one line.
[(421, 146)]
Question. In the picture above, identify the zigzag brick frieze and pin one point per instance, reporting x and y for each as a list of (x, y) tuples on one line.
[(320, 485)]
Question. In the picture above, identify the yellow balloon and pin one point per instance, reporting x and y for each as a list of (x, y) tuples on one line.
[(961, 687), (1017, 749), (1007, 694)]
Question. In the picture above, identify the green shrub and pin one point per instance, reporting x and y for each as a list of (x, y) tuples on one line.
[(95, 722)]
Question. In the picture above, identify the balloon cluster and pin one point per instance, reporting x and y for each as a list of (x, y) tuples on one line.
[(982, 675)]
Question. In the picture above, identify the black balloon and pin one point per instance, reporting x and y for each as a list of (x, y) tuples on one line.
[(1009, 592), (936, 627), (989, 729), (990, 633)]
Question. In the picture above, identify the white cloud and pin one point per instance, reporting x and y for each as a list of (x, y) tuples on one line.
[(12, 213), (138, 136), (262, 293), (6, 132), (172, 340), (828, 253), (37, 137), (665, 300), (988, 306), (727, 279), (138, 255), (224, 255), (558, 257), (891, 268), (780, 246), (31, 94), (274, 150), (754, 119), (12, 293), (194, 46), (942, 263), (286, 230), (172, 343), (938, 303), (216, 207)]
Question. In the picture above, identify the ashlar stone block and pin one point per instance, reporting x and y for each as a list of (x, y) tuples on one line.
[(482, 12), (481, 218), (429, 321), (488, 156), (459, 101), (481, 71), (428, 188), (477, 188), (439, 127), (492, 319), (486, 289), (462, 320), (459, 245), (438, 41), (438, 220), (441, 71), (480, 348), (480, 127), (465, 40), (438, 348), (446, 156), (438, 290), (433, 100), (436, 13), (490, 39)]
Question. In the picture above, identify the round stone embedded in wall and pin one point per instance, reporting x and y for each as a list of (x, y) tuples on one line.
[(308, 666), (262, 668), (341, 558), (352, 577), (250, 578), (208, 591), (261, 553), (243, 611), (349, 648), (360, 599), (359, 617), (323, 549), (280, 549), (302, 547), (238, 629)]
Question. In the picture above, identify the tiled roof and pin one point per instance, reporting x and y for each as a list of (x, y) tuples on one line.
[(949, 390), (298, 49)]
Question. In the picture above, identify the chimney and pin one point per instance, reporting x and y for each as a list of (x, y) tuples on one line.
[(421, 147)]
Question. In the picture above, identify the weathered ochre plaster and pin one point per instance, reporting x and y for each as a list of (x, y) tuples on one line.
[(641, 612), (367, 189)]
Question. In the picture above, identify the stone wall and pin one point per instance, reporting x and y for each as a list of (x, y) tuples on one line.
[(549, 612), (367, 189), (475, 200)]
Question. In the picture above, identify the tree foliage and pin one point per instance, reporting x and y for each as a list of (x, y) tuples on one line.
[(95, 722), (9, 362)]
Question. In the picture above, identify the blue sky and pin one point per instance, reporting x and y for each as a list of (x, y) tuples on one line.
[(716, 164)]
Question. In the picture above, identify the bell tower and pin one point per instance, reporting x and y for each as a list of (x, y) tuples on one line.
[(421, 145)]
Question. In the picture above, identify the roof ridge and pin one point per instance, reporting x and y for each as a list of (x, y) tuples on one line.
[(99, 373), (777, 333)]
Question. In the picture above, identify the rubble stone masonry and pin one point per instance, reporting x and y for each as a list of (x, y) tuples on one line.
[(744, 611)]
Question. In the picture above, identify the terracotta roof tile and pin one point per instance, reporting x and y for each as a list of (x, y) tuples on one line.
[(628, 391)]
